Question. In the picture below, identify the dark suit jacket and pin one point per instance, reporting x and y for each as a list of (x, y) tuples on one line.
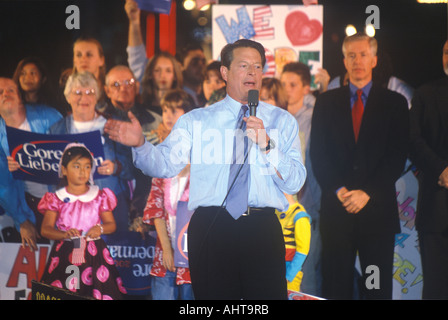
[(429, 152), (372, 165)]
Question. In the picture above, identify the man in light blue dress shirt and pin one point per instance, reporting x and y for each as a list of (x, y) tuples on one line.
[(230, 258)]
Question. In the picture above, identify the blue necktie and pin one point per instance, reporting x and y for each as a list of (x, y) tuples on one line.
[(237, 199)]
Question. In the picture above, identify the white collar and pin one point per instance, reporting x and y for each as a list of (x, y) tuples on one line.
[(91, 194)]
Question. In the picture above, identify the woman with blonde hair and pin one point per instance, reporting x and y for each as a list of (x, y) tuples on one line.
[(88, 55)]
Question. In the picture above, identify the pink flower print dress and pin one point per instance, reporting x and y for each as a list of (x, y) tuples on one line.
[(98, 276)]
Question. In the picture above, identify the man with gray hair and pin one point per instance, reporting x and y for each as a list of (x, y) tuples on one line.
[(122, 89), (359, 144)]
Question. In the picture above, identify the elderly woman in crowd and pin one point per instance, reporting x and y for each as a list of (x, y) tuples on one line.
[(82, 93)]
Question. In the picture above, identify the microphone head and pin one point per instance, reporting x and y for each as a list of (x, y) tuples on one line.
[(253, 98), (253, 102)]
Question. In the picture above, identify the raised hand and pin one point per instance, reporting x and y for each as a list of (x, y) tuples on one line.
[(124, 132)]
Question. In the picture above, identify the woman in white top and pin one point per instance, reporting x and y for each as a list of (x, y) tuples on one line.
[(82, 93)]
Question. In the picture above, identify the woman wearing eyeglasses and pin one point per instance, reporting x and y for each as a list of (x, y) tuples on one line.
[(82, 94)]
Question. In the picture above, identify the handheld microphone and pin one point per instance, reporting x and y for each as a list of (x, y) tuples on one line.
[(253, 102)]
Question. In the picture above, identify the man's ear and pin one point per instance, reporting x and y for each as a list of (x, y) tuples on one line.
[(224, 72), (345, 63), (375, 61)]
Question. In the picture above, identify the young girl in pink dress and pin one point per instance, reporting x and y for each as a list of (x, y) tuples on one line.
[(76, 216)]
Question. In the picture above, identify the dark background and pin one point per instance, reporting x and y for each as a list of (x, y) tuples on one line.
[(413, 34)]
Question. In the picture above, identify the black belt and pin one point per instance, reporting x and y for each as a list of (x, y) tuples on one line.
[(250, 210), (253, 210)]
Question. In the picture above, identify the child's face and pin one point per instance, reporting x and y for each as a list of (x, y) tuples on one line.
[(212, 82), (78, 171), (169, 117), (294, 87)]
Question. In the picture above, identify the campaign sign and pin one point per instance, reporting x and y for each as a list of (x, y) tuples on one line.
[(287, 32), (39, 154), (183, 216), (157, 6), (19, 267), (294, 295), (44, 292), (133, 256)]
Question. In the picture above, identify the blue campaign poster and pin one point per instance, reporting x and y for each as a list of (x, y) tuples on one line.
[(133, 255), (39, 154), (157, 6)]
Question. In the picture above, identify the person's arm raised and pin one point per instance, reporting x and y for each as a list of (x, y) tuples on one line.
[(133, 12)]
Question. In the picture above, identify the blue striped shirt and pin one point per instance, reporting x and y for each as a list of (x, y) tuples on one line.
[(204, 138)]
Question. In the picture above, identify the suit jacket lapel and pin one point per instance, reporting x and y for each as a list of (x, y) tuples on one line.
[(441, 103), (345, 115), (368, 116), (442, 99)]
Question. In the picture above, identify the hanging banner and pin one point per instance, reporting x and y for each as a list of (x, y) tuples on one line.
[(133, 256), (288, 32), (408, 274), (19, 267), (39, 154)]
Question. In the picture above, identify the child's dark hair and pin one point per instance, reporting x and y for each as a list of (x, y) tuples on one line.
[(75, 152), (178, 98)]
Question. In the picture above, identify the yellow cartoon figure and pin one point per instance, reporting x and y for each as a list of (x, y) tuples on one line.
[(296, 225)]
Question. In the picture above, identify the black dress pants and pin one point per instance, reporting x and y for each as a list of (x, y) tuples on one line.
[(339, 252), (236, 259), (434, 257)]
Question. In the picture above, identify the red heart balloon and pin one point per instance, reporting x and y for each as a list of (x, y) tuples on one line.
[(301, 30)]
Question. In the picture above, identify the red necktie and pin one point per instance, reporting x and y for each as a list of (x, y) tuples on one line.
[(357, 111)]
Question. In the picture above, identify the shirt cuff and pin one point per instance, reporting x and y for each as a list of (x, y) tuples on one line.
[(337, 190)]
